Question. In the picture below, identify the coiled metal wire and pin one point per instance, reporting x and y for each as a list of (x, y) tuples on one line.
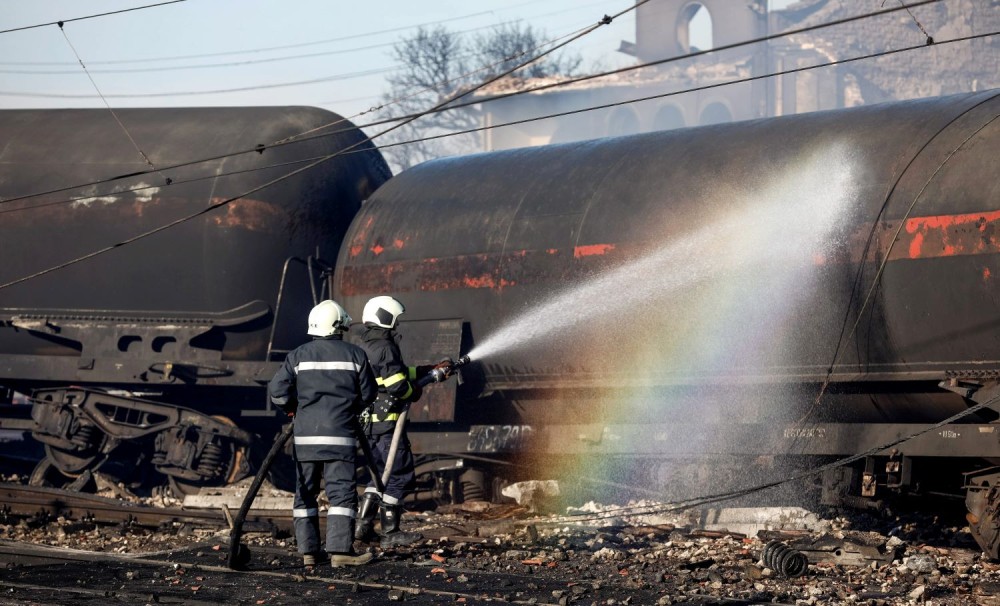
[(784, 560), (210, 463)]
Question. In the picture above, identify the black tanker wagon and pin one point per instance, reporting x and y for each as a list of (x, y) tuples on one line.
[(821, 285)]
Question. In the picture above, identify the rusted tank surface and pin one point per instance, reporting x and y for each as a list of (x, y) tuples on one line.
[(226, 259), (855, 245)]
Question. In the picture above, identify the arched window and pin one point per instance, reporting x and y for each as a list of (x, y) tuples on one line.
[(715, 113), (623, 121), (668, 117), (694, 28)]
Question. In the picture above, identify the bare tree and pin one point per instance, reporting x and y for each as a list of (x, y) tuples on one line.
[(438, 64)]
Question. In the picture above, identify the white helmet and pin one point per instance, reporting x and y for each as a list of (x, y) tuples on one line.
[(382, 311), (327, 318)]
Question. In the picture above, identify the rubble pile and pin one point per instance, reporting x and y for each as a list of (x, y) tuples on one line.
[(630, 552)]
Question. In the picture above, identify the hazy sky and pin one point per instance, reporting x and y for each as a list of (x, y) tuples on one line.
[(178, 54)]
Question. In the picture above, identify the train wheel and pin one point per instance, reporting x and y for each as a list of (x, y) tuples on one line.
[(47, 475), (69, 463), (181, 488)]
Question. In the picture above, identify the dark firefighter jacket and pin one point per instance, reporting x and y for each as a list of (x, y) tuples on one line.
[(397, 382), (326, 383)]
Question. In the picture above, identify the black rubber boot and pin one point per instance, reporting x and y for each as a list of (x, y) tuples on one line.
[(364, 529), (392, 536)]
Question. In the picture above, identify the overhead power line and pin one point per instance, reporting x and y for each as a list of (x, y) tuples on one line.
[(726, 496), (61, 22), (480, 129), (331, 78), (366, 35), (452, 106), (606, 20), (131, 139), (697, 88)]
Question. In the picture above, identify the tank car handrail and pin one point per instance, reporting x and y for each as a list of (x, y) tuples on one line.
[(308, 263)]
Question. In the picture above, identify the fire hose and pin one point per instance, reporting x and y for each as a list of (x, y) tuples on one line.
[(239, 554), (436, 375)]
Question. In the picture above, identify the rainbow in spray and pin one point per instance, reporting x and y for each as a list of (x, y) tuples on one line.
[(712, 312)]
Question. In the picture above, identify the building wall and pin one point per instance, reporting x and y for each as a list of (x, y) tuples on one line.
[(660, 33), (662, 25)]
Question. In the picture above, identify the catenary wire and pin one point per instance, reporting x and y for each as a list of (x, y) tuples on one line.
[(305, 44), (261, 148), (537, 48), (274, 144), (289, 139), (506, 95), (691, 55), (515, 122), (603, 21), (145, 158), (902, 223), (729, 495), (929, 38), (59, 23), (698, 88), (263, 60), (247, 51)]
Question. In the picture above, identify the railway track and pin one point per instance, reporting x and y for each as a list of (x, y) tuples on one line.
[(197, 573), (512, 564), (196, 576), (32, 501)]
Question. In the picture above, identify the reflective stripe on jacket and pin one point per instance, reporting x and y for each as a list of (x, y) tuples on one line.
[(396, 381), (332, 382)]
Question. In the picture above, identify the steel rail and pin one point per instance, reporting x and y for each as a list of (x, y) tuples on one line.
[(47, 553), (29, 501)]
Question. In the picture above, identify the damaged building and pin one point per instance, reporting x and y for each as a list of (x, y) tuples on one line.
[(732, 82)]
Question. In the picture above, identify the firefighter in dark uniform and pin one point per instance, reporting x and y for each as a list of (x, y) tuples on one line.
[(397, 388), (325, 384)]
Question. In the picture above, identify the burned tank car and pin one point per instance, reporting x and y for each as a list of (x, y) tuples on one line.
[(166, 340), (698, 290)]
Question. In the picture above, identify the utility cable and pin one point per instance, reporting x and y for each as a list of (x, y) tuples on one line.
[(289, 139), (60, 23), (216, 91), (692, 55), (490, 127), (145, 158), (255, 61), (365, 35), (729, 495), (928, 37), (603, 21), (506, 95), (278, 143), (261, 148), (902, 223), (696, 89), (458, 78)]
